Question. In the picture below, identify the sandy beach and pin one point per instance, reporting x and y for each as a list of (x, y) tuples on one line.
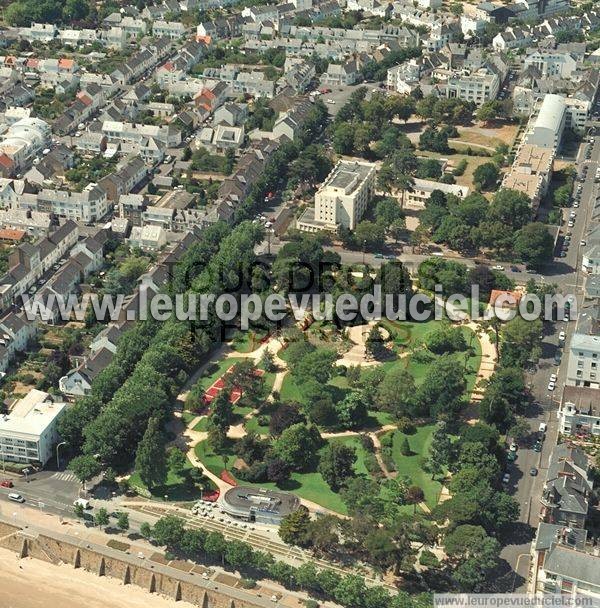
[(30, 583)]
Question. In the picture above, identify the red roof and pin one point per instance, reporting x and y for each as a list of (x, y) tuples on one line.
[(8, 234), (86, 99), (66, 63), (508, 299), (6, 161)]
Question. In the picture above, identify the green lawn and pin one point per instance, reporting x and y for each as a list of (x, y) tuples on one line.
[(310, 486), (221, 367), (361, 454), (175, 487), (202, 425), (410, 466), (247, 341)]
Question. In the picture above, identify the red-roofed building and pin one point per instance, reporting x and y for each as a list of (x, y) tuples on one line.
[(505, 299), (66, 65), (7, 167), (8, 234)]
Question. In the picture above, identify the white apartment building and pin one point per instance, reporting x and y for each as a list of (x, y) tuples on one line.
[(422, 189), (28, 433), (89, 205), (478, 86), (342, 198), (584, 350), (132, 132), (584, 360), (551, 64), (579, 411), (168, 29), (578, 111)]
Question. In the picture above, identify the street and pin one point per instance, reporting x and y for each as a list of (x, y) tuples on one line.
[(567, 274)]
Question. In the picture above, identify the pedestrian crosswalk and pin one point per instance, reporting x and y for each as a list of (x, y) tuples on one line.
[(65, 476)]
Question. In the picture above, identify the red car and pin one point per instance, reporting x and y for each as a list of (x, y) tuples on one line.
[(6, 483)]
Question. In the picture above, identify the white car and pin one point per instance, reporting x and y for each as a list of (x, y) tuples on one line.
[(562, 336), (551, 386), (331, 101), (505, 478), (571, 224), (566, 318), (498, 267), (583, 242), (513, 447), (543, 427), (553, 377)]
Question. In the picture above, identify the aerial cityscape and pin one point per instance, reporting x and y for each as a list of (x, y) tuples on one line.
[(299, 303)]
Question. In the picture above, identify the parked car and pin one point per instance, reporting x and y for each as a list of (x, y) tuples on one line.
[(505, 478), (553, 377), (533, 471), (6, 483), (498, 267), (551, 386), (543, 427), (537, 446)]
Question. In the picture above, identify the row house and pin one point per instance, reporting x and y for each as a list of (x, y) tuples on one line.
[(16, 332), (123, 181), (169, 29), (28, 262), (89, 205), (168, 135)]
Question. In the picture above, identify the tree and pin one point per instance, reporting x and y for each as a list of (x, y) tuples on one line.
[(446, 339), (520, 429), (146, 530), (78, 510), (474, 554), (396, 392), (511, 208), (387, 211), (238, 553), (369, 235), (85, 467), (75, 10), (297, 446), (443, 388), (101, 518), (488, 111), (405, 447), (215, 545), (486, 176), (168, 531), (352, 411), (293, 529), (337, 464), (316, 365), (534, 244), (374, 344), (414, 496), (123, 521), (150, 459), (284, 416)]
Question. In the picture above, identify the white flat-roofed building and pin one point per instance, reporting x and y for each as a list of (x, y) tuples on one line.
[(342, 199), (478, 86), (28, 433), (546, 129), (422, 189), (579, 412), (531, 172), (148, 238)]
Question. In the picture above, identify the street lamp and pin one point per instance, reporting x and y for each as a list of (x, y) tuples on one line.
[(57, 457)]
